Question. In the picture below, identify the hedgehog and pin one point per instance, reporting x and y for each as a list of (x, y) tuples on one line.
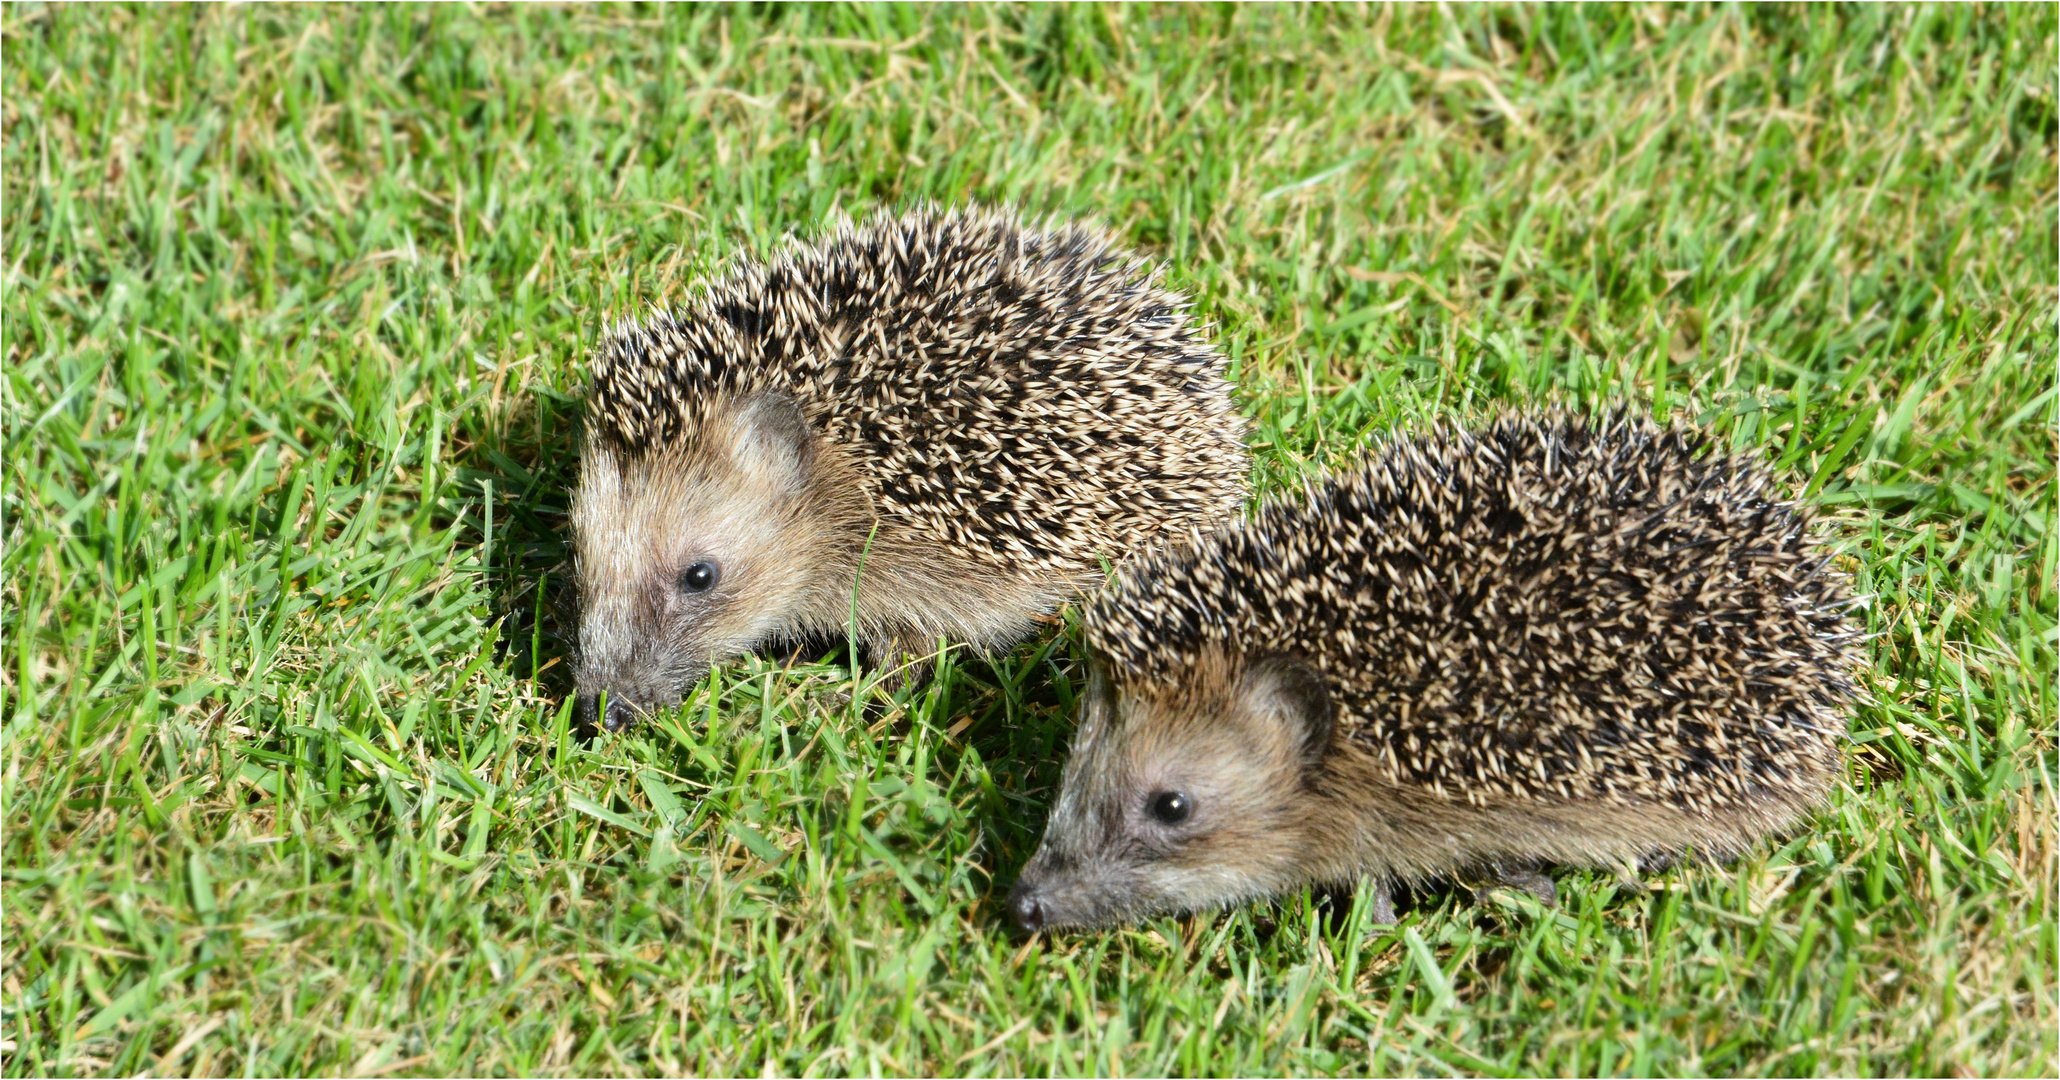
[(933, 426), (1552, 641)]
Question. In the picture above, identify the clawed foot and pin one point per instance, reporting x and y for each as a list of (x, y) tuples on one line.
[(1382, 903), (902, 662), (1659, 862), (1529, 878)]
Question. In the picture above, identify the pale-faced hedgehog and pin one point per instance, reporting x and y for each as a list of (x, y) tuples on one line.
[(937, 425), (1554, 641)]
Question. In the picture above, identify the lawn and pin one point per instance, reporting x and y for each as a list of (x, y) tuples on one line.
[(295, 304)]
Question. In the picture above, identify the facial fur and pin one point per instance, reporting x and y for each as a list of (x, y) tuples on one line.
[(747, 500), (1238, 742), (1280, 797)]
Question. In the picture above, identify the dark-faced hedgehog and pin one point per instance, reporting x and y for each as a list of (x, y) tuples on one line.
[(1551, 642), (932, 426)]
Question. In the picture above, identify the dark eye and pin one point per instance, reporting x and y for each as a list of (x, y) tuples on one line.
[(1171, 807), (699, 577)]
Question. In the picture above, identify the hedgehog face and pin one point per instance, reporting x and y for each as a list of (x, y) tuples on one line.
[(1181, 798), (691, 554)]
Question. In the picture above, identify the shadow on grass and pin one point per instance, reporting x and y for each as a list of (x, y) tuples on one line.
[(516, 477)]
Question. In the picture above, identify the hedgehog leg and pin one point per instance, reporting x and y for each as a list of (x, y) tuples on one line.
[(1383, 903), (1526, 876), (1659, 862), (904, 659)]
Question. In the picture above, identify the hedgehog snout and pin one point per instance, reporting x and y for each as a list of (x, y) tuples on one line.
[(621, 714), (631, 669), (616, 696), (1047, 895), (1025, 908), (1059, 890)]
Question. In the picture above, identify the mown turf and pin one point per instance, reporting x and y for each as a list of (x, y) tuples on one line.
[(294, 306)]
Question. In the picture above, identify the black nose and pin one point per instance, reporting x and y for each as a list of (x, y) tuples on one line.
[(1024, 908), (620, 715)]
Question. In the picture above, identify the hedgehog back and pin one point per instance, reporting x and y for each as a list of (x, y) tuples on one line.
[(1548, 608), (1023, 395)]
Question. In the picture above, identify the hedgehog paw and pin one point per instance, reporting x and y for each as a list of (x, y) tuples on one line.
[(902, 662), (1382, 903), (1659, 862), (1530, 879)]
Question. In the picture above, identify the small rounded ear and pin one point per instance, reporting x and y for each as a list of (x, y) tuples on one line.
[(1298, 694), (773, 439)]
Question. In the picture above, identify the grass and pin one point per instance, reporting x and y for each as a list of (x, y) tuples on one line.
[(294, 305)]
